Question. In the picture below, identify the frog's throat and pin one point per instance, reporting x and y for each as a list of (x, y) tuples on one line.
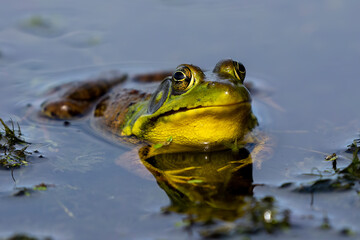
[(196, 126)]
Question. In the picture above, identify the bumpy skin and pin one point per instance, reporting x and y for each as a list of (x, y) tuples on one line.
[(76, 99), (192, 109), (113, 110)]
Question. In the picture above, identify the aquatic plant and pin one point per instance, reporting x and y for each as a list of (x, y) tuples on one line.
[(352, 171), (342, 179), (12, 147)]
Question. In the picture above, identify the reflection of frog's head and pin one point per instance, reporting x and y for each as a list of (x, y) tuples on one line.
[(196, 108), (209, 185)]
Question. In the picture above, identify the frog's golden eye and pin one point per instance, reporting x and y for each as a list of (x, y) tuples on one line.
[(240, 71), (182, 80), (229, 68), (159, 97)]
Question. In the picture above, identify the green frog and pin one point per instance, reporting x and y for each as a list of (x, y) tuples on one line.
[(190, 109), (192, 123)]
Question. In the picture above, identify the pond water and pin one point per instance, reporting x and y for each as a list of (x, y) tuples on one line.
[(302, 57)]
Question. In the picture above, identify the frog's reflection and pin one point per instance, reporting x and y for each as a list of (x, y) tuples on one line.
[(208, 185)]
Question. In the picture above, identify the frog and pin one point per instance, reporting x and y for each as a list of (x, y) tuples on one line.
[(190, 110), (195, 134)]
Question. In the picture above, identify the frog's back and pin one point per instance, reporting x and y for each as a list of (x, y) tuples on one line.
[(110, 113), (191, 108), (74, 100)]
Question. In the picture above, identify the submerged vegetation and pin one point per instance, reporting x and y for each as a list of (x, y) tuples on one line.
[(262, 216), (13, 147), (46, 26), (258, 216), (38, 22), (265, 215)]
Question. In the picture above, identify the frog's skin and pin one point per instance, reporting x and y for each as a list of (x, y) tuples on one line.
[(191, 108), (75, 99)]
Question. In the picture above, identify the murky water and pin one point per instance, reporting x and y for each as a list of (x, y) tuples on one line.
[(302, 56)]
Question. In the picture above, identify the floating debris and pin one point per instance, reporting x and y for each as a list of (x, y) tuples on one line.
[(286, 185), (326, 223), (331, 157), (22, 236), (347, 232), (26, 191)]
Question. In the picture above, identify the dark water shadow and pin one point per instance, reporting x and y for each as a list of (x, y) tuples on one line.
[(209, 185)]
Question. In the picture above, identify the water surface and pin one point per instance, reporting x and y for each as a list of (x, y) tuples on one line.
[(304, 56)]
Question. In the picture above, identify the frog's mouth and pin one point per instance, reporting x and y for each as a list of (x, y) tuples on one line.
[(201, 108)]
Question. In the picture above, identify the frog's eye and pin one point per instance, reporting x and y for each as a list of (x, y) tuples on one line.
[(240, 71), (182, 80), (159, 97), (229, 68)]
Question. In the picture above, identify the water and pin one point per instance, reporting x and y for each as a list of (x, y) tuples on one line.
[(303, 56)]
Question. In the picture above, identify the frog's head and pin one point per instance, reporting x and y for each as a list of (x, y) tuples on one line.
[(194, 108)]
